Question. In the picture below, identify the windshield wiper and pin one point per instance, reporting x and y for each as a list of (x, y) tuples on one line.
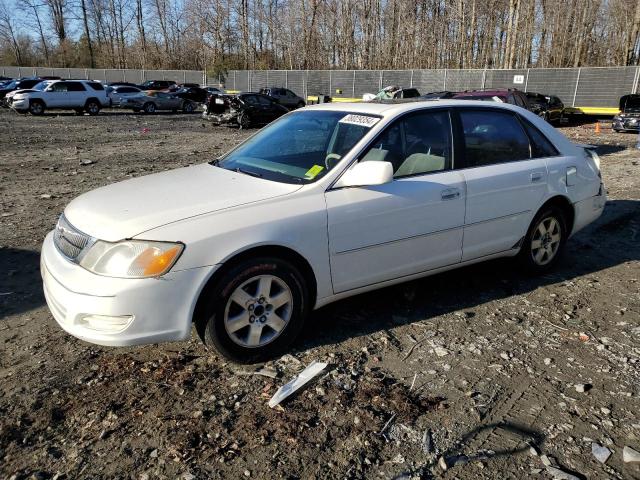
[(247, 172)]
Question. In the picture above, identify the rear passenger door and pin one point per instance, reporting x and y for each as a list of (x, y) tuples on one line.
[(505, 182)]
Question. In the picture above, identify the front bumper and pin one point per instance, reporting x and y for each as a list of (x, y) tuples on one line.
[(632, 124), (223, 118), (116, 311), (18, 103)]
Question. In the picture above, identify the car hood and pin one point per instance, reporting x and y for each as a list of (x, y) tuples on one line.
[(126, 209)]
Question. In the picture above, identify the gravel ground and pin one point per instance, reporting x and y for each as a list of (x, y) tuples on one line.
[(484, 371)]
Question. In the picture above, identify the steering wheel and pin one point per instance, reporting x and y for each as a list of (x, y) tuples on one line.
[(331, 160)]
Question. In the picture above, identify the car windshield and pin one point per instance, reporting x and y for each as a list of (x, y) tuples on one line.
[(300, 147), (11, 84)]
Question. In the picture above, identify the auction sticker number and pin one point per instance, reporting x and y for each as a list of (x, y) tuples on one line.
[(362, 120)]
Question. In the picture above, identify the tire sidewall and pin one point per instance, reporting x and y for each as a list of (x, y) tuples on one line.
[(95, 111), (211, 326), (525, 254), (244, 121), (36, 102)]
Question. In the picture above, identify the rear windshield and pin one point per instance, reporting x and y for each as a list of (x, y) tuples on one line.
[(300, 147), (485, 98)]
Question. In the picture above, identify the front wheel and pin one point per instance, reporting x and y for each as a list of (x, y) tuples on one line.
[(36, 107), (188, 107), (255, 310), (149, 107), (545, 240)]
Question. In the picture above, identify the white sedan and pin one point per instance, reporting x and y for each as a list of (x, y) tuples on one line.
[(327, 202)]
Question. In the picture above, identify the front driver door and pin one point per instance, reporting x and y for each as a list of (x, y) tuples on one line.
[(411, 225)]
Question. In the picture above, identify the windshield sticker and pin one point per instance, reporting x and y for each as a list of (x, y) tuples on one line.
[(313, 172), (362, 120)]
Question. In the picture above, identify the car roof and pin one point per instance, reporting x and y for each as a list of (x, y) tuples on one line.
[(393, 108), (484, 93)]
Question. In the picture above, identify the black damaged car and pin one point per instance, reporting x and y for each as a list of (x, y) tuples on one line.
[(243, 109), (629, 117)]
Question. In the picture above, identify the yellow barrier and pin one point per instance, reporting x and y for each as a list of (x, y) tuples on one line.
[(570, 110)]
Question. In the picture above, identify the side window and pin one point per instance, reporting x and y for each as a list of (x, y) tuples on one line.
[(60, 87), (417, 144), (76, 87), (519, 101), (492, 137), (250, 100), (264, 100), (540, 145), (96, 86)]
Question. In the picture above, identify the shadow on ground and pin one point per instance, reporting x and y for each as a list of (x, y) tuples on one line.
[(20, 282), (612, 240)]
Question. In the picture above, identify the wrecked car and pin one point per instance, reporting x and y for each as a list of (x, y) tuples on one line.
[(152, 101), (548, 107), (392, 92), (628, 119), (243, 109)]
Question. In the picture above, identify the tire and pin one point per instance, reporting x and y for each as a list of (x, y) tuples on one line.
[(188, 107), (92, 107), (244, 120), (36, 107), (149, 107), (237, 294), (542, 249)]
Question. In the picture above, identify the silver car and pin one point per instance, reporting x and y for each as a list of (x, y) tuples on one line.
[(152, 101), (119, 93)]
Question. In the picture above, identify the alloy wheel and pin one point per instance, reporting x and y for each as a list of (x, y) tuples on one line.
[(258, 311), (546, 240)]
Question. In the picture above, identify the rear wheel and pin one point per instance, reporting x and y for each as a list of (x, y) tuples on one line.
[(188, 107), (36, 107), (255, 310), (149, 107), (545, 240), (92, 107)]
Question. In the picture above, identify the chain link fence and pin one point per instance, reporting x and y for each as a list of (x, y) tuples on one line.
[(108, 75), (577, 87)]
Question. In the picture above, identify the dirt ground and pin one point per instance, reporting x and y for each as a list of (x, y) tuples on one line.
[(482, 369)]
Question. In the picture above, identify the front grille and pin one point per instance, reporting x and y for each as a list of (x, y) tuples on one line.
[(69, 240)]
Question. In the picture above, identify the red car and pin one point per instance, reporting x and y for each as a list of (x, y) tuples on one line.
[(504, 95)]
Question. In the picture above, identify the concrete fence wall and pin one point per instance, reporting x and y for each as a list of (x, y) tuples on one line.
[(108, 75), (577, 87)]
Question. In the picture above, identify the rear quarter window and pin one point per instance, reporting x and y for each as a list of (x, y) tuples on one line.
[(96, 86), (540, 144)]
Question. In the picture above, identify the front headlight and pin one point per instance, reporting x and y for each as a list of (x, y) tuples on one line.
[(131, 258)]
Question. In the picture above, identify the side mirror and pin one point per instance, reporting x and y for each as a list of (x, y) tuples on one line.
[(367, 174)]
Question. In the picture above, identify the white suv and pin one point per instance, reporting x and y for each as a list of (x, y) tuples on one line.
[(327, 202), (79, 95)]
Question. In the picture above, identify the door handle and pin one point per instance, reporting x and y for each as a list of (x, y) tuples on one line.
[(450, 194), (536, 177)]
